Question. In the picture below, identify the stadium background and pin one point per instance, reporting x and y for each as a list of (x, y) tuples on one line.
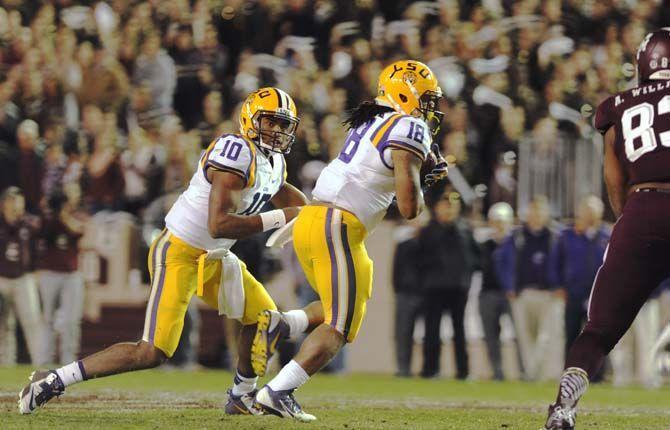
[(124, 95)]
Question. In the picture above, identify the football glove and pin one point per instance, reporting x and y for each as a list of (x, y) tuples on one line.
[(441, 169)]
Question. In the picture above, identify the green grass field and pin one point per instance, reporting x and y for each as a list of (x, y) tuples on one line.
[(177, 400)]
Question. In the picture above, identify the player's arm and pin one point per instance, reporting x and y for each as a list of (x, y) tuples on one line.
[(615, 178), (287, 196), (224, 199), (407, 183)]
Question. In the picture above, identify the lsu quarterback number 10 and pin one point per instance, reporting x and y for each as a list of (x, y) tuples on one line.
[(644, 131)]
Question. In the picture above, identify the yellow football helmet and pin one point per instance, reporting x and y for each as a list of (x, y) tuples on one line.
[(410, 87), (269, 118)]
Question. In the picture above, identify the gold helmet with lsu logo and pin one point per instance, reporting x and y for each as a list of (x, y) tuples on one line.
[(410, 87), (269, 118)]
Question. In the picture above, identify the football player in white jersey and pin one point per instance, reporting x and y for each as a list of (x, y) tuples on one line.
[(234, 179), (381, 159)]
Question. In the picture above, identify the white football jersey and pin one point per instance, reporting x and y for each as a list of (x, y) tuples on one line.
[(360, 179), (187, 218)]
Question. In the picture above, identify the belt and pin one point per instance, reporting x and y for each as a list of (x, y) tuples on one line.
[(653, 190), (328, 205)]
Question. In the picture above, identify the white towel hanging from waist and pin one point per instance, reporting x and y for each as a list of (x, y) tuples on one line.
[(231, 287)]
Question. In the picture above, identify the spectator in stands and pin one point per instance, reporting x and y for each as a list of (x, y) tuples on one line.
[(408, 297), (447, 255), (493, 303), (212, 118), (155, 69), (61, 284), (55, 163), (92, 125), (104, 82), (189, 90), (575, 259), (105, 175), (143, 165), (521, 265), (18, 293), (30, 164), (462, 142)]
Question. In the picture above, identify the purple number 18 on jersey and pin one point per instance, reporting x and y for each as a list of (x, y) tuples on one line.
[(353, 140)]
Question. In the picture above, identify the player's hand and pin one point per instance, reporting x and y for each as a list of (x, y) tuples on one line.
[(291, 212), (440, 171)]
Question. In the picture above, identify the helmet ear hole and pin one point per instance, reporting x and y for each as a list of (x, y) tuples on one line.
[(403, 98)]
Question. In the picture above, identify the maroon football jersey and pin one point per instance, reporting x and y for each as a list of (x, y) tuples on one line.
[(641, 118)]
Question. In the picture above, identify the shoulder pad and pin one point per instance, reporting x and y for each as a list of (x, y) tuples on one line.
[(410, 134), (604, 118), (231, 153)]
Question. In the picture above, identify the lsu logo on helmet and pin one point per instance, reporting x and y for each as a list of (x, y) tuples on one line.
[(410, 87)]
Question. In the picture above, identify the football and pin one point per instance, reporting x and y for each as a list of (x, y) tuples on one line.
[(428, 164)]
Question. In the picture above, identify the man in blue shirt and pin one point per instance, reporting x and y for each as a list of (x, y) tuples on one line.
[(521, 267), (575, 258)]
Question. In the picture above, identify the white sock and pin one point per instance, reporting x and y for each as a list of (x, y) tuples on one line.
[(297, 320), (71, 373), (243, 385), (290, 377)]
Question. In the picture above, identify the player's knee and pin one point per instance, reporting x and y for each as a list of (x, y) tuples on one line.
[(148, 355), (331, 343)]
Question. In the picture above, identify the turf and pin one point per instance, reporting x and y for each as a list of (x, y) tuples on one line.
[(177, 400)]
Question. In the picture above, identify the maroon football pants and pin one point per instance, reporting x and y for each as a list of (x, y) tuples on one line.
[(636, 261)]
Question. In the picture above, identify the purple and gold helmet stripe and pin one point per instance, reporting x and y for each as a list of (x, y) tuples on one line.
[(280, 102)]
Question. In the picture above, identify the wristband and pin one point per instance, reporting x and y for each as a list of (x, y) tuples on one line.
[(273, 219)]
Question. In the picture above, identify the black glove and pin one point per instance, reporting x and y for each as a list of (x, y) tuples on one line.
[(441, 169)]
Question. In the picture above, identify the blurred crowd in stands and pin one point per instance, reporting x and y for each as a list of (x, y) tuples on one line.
[(105, 106)]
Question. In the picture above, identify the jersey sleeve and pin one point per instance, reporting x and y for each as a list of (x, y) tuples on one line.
[(410, 134), (604, 119), (232, 154)]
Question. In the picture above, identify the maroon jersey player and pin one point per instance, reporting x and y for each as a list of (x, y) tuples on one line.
[(636, 125)]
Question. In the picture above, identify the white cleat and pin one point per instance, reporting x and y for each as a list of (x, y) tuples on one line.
[(282, 404), (560, 418), (44, 386)]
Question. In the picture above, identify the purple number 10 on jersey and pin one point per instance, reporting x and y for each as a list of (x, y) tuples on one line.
[(231, 150), (352, 142)]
